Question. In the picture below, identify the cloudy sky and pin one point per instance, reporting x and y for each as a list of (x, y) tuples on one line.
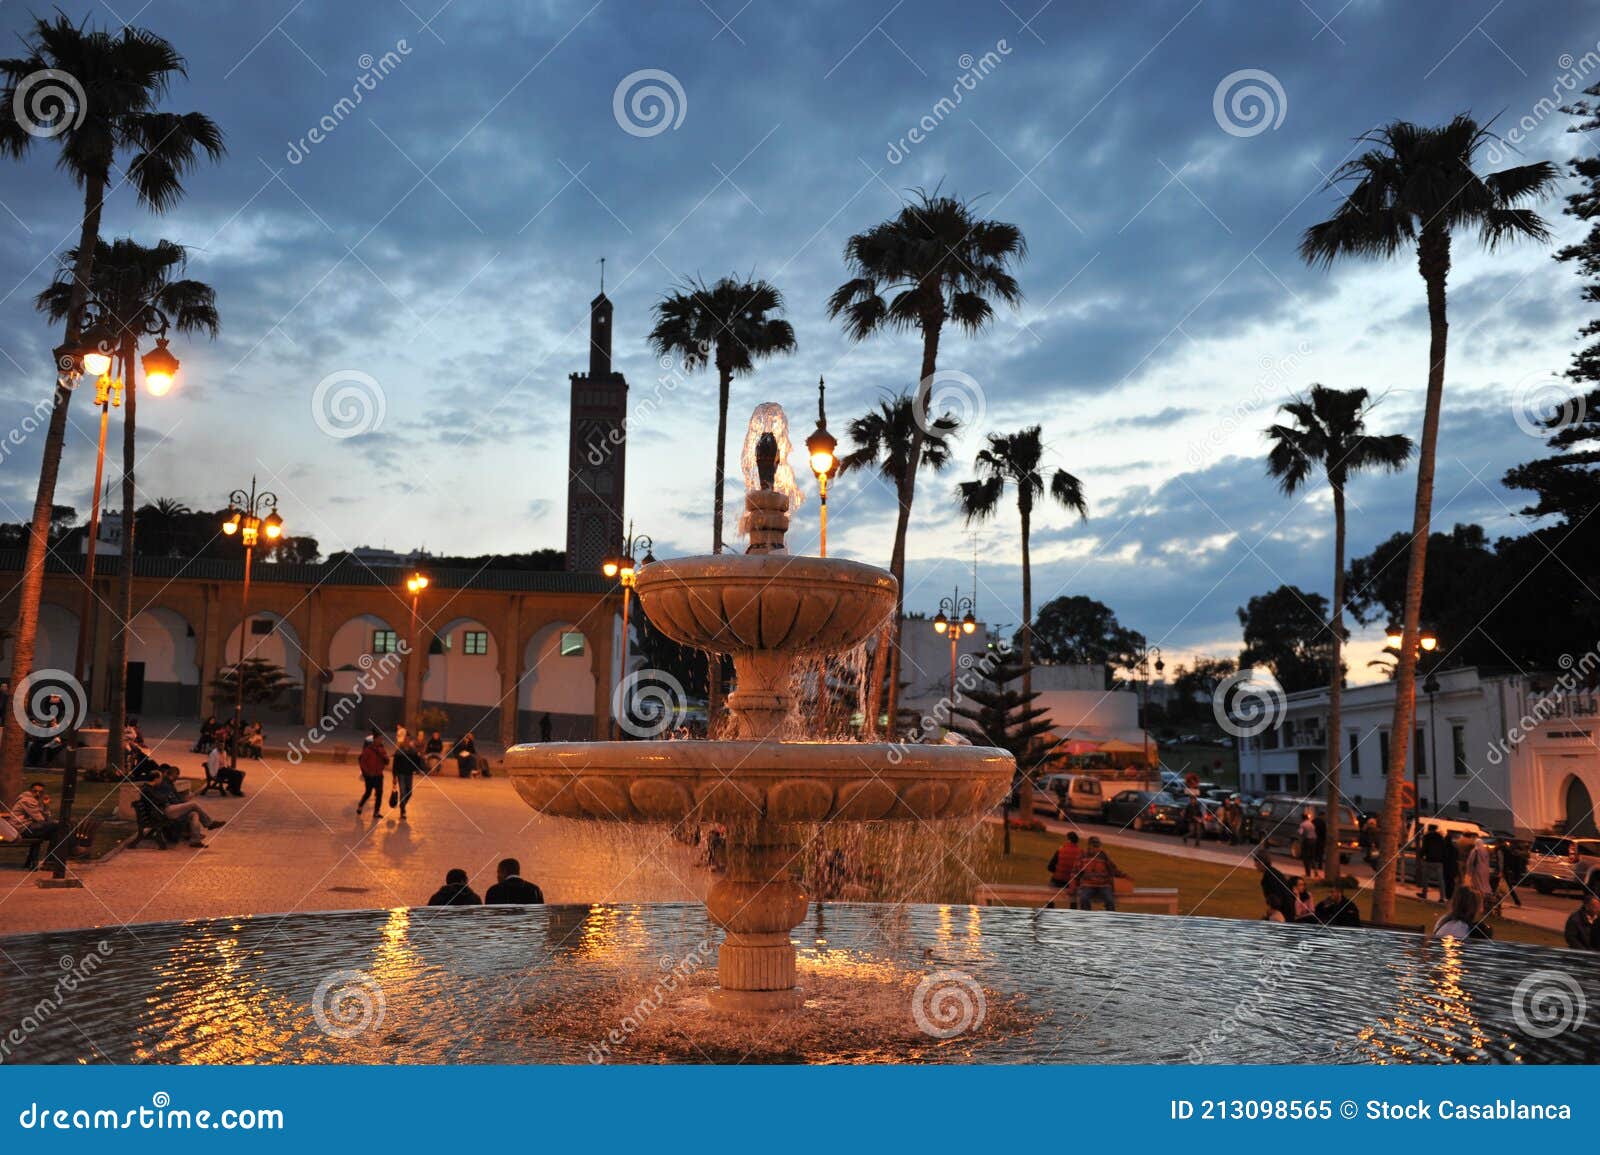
[(435, 250)]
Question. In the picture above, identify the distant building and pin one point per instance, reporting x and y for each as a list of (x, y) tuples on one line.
[(1517, 752), (109, 539), (380, 558)]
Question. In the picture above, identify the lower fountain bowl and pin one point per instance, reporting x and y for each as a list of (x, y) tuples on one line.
[(776, 782)]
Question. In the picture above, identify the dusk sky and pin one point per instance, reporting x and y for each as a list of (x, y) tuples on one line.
[(436, 250)]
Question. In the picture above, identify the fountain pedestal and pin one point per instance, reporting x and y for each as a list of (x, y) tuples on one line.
[(758, 903)]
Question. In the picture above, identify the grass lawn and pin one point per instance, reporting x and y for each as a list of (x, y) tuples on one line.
[(1207, 888)]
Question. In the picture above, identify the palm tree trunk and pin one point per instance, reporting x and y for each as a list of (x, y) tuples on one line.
[(906, 492), (13, 747), (1433, 262), (117, 676), (1331, 865), (714, 661)]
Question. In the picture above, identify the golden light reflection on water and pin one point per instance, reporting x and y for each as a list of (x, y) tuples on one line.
[(1434, 1019)]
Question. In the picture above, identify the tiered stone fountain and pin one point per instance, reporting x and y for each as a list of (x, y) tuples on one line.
[(766, 608)]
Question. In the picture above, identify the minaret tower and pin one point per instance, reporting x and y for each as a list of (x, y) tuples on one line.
[(598, 449)]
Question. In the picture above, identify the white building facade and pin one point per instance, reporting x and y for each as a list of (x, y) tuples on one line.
[(1515, 752)]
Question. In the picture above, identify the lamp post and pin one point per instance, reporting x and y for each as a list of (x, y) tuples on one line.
[(819, 447), (624, 569), (1427, 642), (947, 623), (415, 584), (1144, 678), (246, 521), (91, 355), (97, 354), (1431, 688)]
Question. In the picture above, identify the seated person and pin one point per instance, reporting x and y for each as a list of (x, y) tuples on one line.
[(232, 781), (164, 796), (455, 891), (511, 887), (1337, 909), (138, 766), (32, 818)]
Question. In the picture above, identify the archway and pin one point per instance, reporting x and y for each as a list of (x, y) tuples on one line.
[(463, 676), (367, 674), (272, 639), (558, 680), (57, 640), (163, 666), (1579, 810)]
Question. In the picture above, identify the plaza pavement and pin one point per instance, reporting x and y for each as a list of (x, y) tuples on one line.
[(295, 843)]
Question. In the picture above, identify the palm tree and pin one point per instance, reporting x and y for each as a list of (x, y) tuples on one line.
[(138, 287), (121, 79), (1330, 431), (1415, 187), (882, 439), (732, 325), (158, 524), (1014, 459), (937, 261)]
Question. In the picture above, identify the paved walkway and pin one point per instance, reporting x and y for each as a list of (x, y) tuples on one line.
[(295, 843), (1547, 912)]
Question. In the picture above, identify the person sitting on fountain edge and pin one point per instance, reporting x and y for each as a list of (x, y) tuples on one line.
[(511, 888), (455, 891), (1337, 909)]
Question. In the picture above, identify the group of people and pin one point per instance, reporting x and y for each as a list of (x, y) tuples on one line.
[(510, 888), (1291, 900), (1445, 864), (215, 735), (413, 754), (1085, 873)]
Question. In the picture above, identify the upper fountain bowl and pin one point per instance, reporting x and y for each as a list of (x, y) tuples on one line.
[(733, 603)]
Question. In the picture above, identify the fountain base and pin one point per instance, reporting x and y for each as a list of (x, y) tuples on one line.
[(725, 1001)]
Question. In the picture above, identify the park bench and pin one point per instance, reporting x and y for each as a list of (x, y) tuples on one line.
[(150, 822), (1162, 899), (34, 842)]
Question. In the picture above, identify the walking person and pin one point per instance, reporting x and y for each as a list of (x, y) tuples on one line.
[(1513, 867), (1319, 825), (371, 763), (407, 765), (1308, 845), (1194, 821), (1096, 878)]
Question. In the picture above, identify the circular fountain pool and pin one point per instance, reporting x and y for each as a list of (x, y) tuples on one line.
[(883, 983)]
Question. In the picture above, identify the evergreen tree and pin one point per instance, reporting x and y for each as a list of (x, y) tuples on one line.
[(997, 711)]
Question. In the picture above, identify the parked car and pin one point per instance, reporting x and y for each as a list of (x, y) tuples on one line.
[(1559, 862), (1143, 810), (1071, 795), (1276, 819)]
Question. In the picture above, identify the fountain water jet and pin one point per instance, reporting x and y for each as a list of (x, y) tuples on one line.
[(768, 609)]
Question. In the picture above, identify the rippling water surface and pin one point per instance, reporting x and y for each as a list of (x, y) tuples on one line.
[(884, 984)]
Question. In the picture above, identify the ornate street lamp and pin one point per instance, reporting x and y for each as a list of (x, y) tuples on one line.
[(415, 584), (819, 447), (947, 623), (623, 568), (246, 521)]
